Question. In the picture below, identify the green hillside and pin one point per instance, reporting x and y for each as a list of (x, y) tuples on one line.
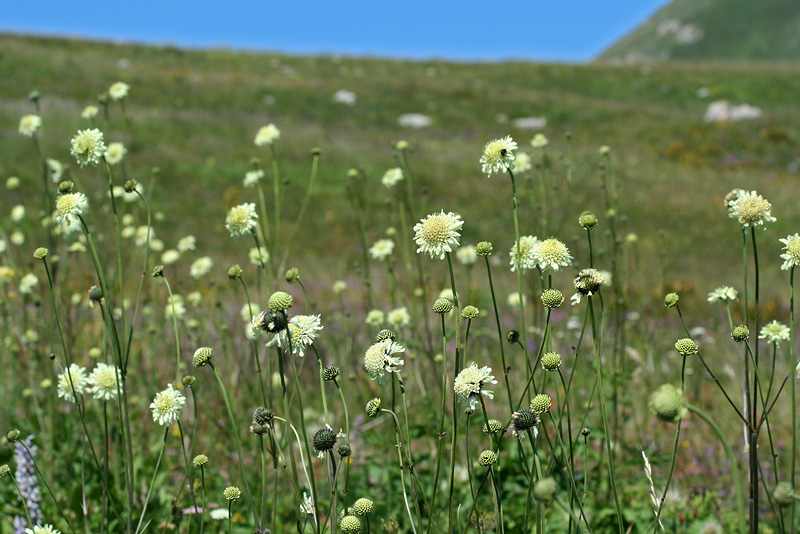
[(713, 30)]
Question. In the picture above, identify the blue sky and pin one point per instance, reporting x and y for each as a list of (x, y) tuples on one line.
[(547, 30)]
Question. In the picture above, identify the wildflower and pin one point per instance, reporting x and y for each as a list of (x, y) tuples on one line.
[(103, 382), (487, 458), (751, 209), (514, 299), (671, 300), (200, 460), (379, 359), (384, 335), (323, 440), (539, 141), (89, 112), (185, 244), (219, 514), (587, 220), (398, 318), (350, 524), (381, 249), (28, 124), (373, 407), (74, 378), (43, 529), (18, 213), (115, 153), (492, 427), (279, 301), (307, 506), (339, 286), (686, 346), (545, 489), (741, 333), (442, 306), (667, 403), (167, 405), (251, 178), (467, 255), (174, 307), (118, 90), (552, 254), (541, 403), (526, 258), (551, 361), (202, 356), (774, 332), (436, 234), (375, 318), (552, 298), (524, 420), (469, 312), (483, 249), (330, 372), (258, 255), (522, 162), (232, 493), (303, 330), (792, 248), (588, 282), (69, 206), (267, 135), (241, 219), (170, 256), (12, 182), (88, 147), (498, 155), (722, 293), (363, 506), (469, 384), (17, 238), (392, 177), (27, 283), (200, 267)]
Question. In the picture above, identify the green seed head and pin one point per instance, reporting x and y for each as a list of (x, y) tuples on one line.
[(344, 450), (667, 403), (202, 356), (262, 415), (158, 270), (492, 427), (587, 219), (551, 361), (188, 381), (552, 298), (235, 272), (293, 275), (401, 145), (65, 187), (200, 460), (279, 301), (541, 403), (487, 458), (524, 420), (330, 373), (671, 300), (232, 493), (130, 185), (740, 333), (363, 506), (385, 334), (484, 248), (545, 489), (442, 306), (373, 407), (4, 471), (469, 312), (686, 346), (324, 439), (40, 253), (783, 494), (350, 524)]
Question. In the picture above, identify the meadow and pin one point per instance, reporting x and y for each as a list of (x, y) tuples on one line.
[(233, 302)]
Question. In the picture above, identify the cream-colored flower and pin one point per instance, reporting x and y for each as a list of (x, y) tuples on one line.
[(267, 135), (437, 234), (241, 219), (722, 293), (27, 283), (381, 249), (251, 178), (466, 255), (398, 318), (392, 177), (28, 124), (258, 255), (170, 256), (118, 90), (522, 163), (75, 378), (469, 384), (552, 254), (375, 318), (88, 147), (751, 209), (89, 112), (791, 246), (539, 141), (303, 330), (526, 258), (201, 267), (775, 332), (498, 155), (379, 359), (103, 382), (167, 406), (186, 244), (56, 169), (115, 153)]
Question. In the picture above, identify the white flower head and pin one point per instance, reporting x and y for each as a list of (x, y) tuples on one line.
[(56, 169), (219, 514), (251, 178), (18, 213), (75, 378), (267, 135), (539, 141), (398, 318), (522, 163), (379, 359), (303, 330), (241, 219), (28, 124), (27, 283), (118, 90), (143, 235), (174, 307), (469, 384), (88, 147), (186, 244), (307, 506), (466, 255), (69, 206), (775, 332), (167, 406), (438, 233), (103, 381), (791, 246), (170, 256), (514, 299), (552, 254), (498, 155), (751, 209), (115, 153), (42, 529), (381, 249), (392, 177), (723, 293), (375, 318), (201, 267), (526, 259), (258, 255), (90, 112)]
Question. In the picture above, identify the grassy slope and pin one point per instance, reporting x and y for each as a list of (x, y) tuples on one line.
[(738, 30), (195, 114)]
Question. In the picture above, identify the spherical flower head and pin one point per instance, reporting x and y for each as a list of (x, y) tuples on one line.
[(466, 255), (273, 322), (28, 124), (263, 416), (724, 293), (587, 220), (241, 219), (512, 336), (384, 335), (339, 286), (381, 249), (118, 90), (783, 494), (493, 426), (90, 112), (330, 373), (791, 246), (524, 420), (487, 458), (469, 384), (671, 300), (552, 254), (379, 359), (363, 506), (686, 346), (69, 206), (12, 435), (775, 332), (522, 162), (251, 178), (42, 529), (344, 450), (200, 460), (292, 275), (545, 489), (541, 403), (202, 356), (551, 361), (526, 258), (4, 471), (667, 403), (350, 524), (751, 209), (88, 147), (40, 253), (552, 298), (104, 382), (442, 306), (539, 141), (188, 381), (740, 333), (167, 406), (373, 407), (323, 440), (232, 493), (469, 312), (589, 281), (267, 135), (72, 382), (483, 249), (115, 153), (235, 272), (398, 318), (279, 301), (375, 318), (392, 177), (498, 155), (438, 233)]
